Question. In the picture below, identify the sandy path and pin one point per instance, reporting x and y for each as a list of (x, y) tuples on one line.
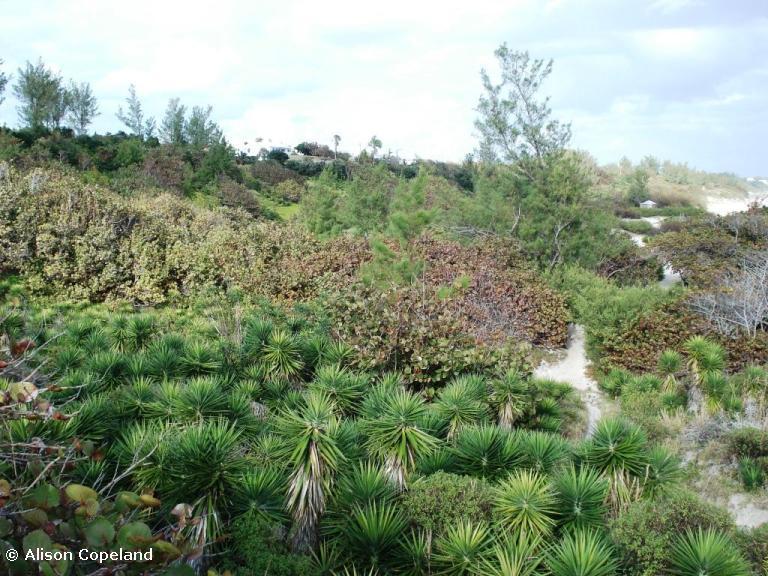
[(571, 367), (670, 277), (724, 206), (745, 513)]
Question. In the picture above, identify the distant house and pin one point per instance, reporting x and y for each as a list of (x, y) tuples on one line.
[(648, 204)]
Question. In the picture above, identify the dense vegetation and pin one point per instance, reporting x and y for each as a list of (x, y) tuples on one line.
[(308, 363)]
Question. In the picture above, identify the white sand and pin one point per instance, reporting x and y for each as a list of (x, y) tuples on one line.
[(745, 513), (724, 206), (572, 368)]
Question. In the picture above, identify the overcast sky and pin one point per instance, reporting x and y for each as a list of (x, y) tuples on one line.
[(685, 80)]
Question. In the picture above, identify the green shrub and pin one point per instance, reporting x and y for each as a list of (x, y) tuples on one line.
[(468, 312), (645, 534), (748, 443), (751, 473), (398, 329), (618, 310), (754, 545), (289, 191), (442, 500), (261, 547), (644, 409), (76, 240), (705, 248), (637, 226)]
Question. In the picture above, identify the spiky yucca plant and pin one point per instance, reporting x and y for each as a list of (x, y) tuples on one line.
[(261, 491), (485, 451), (136, 445), (542, 451), (751, 473), (111, 368), (200, 399), (615, 381), (256, 334), (460, 404), (663, 471), (281, 355), (141, 329), (135, 400), (78, 384), (376, 398), (707, 553), (13, 321), (433, 422), (582, 553), (314, 349), (618, 449), (372, 534), (200, 358), (507, 398), (396, 438), (200, 465), (119, 334), (137, 365), (704, 356), (526, 501), (340, 385), (549, 401), (95, 418), (354, 571), (163, 360), (67, 359), (670, 363), (581, 497), (548, 416), (475, 385), (753, 380), (365, 484), (713, 361), (752, 383), (339, 353), (517, 554), (309, 434), (351, 441), (77, 332), (264, 449), (462, 548), (295, 322), (416, 554), (618, 446), (439, 460), (95, 474), (162, 405), (326, 558)]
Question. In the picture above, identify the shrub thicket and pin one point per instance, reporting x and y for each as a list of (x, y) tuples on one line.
[(646, 533)]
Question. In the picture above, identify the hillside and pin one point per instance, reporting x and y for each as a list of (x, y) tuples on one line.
[(309, 362)]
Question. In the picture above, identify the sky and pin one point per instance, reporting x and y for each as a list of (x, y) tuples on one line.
[(684, 80)]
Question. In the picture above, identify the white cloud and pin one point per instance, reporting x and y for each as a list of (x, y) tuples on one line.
[(629, 74), (627, 105), (677, 43), (724, 100), (670, 6)]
